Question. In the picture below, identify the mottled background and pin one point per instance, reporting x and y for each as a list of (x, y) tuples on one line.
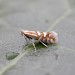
[(42, 15)]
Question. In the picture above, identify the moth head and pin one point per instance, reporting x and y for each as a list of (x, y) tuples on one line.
[(53, 37)]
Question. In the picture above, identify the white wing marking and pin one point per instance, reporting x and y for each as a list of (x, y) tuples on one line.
[(38, 33), (44, 34)]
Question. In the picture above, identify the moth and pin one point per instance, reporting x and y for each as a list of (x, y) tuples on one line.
[(43, 37)]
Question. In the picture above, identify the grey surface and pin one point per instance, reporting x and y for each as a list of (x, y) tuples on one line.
[(38, 15)]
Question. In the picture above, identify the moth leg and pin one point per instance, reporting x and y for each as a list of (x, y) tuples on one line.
[(33, 43), (26, 39), (30, 41), (44, 44), (34, 46), (41, 41)]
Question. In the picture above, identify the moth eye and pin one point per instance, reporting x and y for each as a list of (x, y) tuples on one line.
[(53, 40)]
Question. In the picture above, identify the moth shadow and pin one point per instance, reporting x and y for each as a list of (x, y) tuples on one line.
[(41, 49), (38, 46)]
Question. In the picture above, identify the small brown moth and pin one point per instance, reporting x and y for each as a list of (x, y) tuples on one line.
[(42, 37)]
